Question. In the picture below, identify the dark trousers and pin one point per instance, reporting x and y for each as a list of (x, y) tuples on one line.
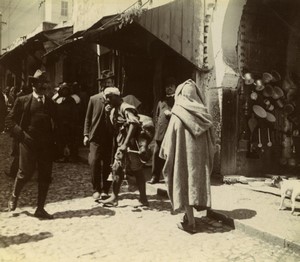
[(66, 137), (157, 162), (14, 166), (2, 120), (35, 155), (100, 160)]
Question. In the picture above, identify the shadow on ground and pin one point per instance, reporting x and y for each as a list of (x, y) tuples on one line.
[(207, 225), (228, 217), (96, 211), (238, 213), (6, 241), (155, 202)]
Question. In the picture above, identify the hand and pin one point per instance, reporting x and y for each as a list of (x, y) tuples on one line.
[(167, 112), (123, 147), (85, 140), (108, 108)]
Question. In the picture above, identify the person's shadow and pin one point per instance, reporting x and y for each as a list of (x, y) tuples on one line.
[(229, 216), (96, 211), (22, 238)]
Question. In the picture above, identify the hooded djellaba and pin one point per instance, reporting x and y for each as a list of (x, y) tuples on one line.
[(188, 148)]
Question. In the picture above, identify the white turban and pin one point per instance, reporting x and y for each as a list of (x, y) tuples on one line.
[(111, 91)]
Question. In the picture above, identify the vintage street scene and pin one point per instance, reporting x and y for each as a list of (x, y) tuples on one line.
[(149, 130)]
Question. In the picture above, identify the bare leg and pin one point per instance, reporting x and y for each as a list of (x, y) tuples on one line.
[(113, 199), (140, 180), (190, 215), (188, 224)]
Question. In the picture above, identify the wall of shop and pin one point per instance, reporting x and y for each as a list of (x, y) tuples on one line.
[(221, 23), (266, 42)]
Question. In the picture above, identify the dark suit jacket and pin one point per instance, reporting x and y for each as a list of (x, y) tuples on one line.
[(18, 119), (95, 126)]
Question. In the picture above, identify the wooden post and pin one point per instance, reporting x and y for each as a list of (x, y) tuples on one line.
[(98, 66), (157, 80)]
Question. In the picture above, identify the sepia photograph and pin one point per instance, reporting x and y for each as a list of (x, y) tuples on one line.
[(150, 130)]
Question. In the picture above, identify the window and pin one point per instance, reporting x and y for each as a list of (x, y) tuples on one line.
[(64, 8)]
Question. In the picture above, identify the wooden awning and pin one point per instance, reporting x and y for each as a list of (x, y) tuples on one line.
[(47, 40), (179, 24)]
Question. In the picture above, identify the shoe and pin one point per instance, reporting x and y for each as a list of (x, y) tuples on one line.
[(104, 196), (12, 204), (111, 204), (191, 229), (153, 180), (186, 227), (96, 195), (143, 203), (42, 213)]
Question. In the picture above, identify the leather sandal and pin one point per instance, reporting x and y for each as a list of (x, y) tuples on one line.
[(184, 225), (191, 229)]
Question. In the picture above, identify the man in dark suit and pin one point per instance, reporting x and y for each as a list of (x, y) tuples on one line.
[(98, 135), (31, 122), (14, 167)]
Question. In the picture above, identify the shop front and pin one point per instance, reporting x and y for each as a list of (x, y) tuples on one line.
[(25, 55), (151, 47), (260, 126)]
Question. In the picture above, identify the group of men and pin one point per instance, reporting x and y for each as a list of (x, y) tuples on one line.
[(112, 130)]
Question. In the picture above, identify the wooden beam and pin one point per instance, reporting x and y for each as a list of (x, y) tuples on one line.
[(176, 26), (187, 30)]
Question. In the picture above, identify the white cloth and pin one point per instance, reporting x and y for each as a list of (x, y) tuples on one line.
[(76, 98), (132, 100), (38, 97), (188, 150)]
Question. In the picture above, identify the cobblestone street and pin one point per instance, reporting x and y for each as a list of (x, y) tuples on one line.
[(84, 231)]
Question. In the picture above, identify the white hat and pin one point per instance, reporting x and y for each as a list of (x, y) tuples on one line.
[(111, 91)]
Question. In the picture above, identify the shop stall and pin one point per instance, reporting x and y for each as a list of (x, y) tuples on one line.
[(265, 106)]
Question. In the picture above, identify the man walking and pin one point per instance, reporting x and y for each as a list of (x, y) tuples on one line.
[(31, 122), (98, 135), (126, 123)]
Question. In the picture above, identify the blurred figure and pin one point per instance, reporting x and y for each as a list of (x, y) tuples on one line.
[(81, 101), (25, 90), (188, 149), (11, 95), (98, 135), (162, 118), (3, 110), (67, 116)]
